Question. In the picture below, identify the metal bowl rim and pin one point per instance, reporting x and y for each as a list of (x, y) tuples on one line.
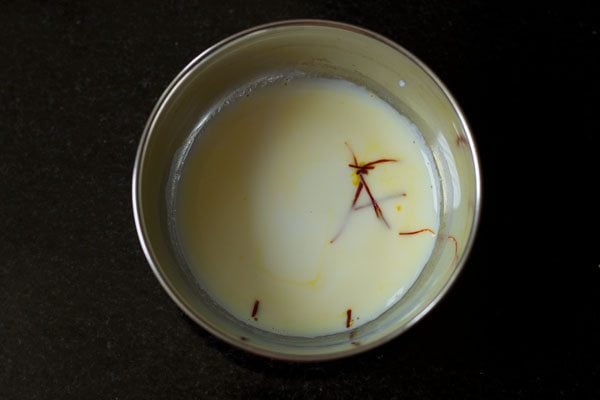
[(138, 206)]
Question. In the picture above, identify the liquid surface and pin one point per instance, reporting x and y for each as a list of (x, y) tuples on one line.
[(265, 207)]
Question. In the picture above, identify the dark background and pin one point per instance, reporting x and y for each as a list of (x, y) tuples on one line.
[(82, 315)]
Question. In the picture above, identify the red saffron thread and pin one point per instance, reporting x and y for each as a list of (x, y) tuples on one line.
[(357, 194), (352, 151), (337, 235), (361, 167), (393, 196), (255, 310), (370, 165), (376, 208), (363, 170), (348, 318), (455, 245), (416, 232)]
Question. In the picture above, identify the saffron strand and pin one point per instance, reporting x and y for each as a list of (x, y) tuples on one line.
[(417, 232)]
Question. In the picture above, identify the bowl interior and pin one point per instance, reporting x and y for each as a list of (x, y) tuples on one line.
[(320, 49)]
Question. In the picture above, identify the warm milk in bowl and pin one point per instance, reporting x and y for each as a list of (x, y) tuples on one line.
[(306, 190)]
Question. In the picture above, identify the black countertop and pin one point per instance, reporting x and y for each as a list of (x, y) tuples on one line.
[(82, 315)]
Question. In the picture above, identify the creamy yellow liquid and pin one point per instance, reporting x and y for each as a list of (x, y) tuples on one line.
[(267, 187)]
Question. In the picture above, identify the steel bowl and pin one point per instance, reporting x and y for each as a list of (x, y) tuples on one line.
[(320, 48)]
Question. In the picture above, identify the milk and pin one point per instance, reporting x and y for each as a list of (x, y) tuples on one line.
[(265, 213)]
